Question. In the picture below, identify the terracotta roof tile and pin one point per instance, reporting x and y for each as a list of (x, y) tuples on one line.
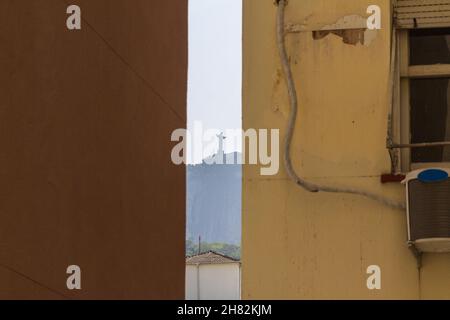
[(210, 257)]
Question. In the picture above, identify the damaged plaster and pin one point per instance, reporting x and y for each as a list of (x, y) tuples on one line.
[(349, 36), (352, 29)]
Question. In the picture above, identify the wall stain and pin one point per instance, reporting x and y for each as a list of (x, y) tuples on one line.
[(352, 29), (349, 36)]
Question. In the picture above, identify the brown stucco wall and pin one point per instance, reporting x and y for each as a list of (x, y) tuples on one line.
[(85, 170)]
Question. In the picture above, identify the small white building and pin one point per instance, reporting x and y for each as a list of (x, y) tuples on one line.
[(213, 276)]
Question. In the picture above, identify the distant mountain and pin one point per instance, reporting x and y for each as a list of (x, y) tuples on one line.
[(214, 200)]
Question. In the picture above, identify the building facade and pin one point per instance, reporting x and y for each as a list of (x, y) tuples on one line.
[(212, 276), (302, 245), (86, 176)]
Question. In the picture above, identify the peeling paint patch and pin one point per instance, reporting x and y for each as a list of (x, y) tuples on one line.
[(352, 29), (349, 36), (348, 22)]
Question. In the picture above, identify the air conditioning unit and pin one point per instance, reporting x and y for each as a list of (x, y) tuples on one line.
[(428, 209)]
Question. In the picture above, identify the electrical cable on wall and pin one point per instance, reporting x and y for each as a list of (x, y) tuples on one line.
[(309, 186)]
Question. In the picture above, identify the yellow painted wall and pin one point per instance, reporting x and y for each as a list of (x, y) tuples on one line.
[(299, 245)]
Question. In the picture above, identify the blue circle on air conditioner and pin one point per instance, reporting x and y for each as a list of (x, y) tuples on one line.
[(433, 175)]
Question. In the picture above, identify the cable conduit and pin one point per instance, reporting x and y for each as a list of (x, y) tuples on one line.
[(307, 185)]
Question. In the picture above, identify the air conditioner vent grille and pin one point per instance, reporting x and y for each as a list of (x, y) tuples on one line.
[(429, 209)]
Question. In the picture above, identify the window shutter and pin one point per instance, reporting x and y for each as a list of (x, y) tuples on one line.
[(422, 13)]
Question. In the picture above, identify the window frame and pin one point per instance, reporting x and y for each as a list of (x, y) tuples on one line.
[(402, 109)]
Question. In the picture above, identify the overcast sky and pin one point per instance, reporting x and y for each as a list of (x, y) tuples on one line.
[(215, 66)]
